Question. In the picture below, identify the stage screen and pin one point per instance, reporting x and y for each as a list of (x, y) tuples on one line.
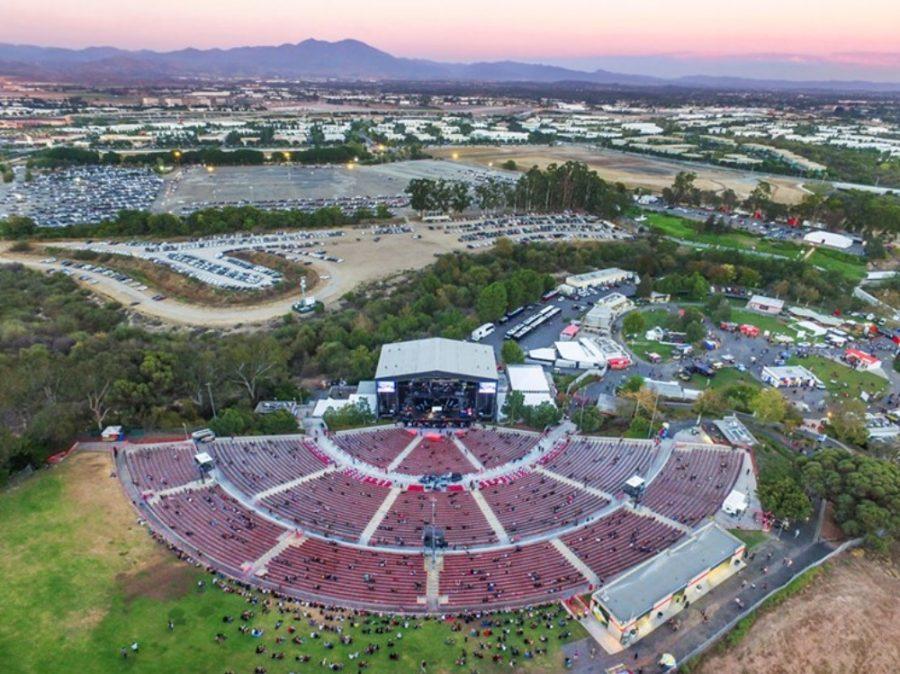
[(386, 387)]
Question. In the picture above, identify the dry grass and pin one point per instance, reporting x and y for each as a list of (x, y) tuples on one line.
[(847, 622), (631, 169)]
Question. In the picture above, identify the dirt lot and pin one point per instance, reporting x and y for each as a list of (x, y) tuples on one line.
[(633, 170), (846, 622), (364, 260)]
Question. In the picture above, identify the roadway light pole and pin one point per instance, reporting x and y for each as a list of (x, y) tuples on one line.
[(212, 402)]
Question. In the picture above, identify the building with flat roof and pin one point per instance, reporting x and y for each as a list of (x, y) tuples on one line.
[(531, 381), (765, 305), (789, 375), (829, 240), (647, 596), (600, 277)]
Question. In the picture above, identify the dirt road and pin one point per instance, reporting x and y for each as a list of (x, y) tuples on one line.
[(364, 261)]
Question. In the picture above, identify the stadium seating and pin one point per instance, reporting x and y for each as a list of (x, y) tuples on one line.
[(619, 541), (160, 467), (435, 457), (456, 514), (219, 527), (378, 447), (535, 504), (517, 576), (603, 464), (339, 573), (693, 484), (333, 505), (253, 465), (496, 448)]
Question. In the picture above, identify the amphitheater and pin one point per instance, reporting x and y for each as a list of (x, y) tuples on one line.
[(339, 518)]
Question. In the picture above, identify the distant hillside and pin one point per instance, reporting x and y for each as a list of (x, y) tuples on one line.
[(342, 60)]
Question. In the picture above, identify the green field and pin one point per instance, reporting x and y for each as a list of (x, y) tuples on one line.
[(773, 324), (849, 266), (724, 378), (83, 579), (841, 379), (653, 318)]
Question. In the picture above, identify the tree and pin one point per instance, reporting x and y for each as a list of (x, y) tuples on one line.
[(460, 199), (785, 498), (252, 360), (632, 385), (847, 420), (514, 406), (491, 303), (634, 323), (683, 186), (710, 403), (769, 406), (349, 416), (512, 353), (588, 418), (645, 286)]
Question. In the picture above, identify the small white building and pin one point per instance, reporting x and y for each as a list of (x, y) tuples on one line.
[(531, 381), (765, 305), (600, 277), (789, 375), (829, 240)]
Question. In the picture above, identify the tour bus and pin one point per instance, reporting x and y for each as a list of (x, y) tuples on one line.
[(482, 331)]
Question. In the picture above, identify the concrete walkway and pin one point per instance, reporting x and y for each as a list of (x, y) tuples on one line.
[(575, 561), (406, 452), (180, 489), (490, 516), (278, 488), (466, 453), (289, 539), (379, 515), (574, 483)]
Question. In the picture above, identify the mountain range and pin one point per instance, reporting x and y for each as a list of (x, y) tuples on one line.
[(347, 60)]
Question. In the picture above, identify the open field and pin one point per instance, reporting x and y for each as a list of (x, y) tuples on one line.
[(85, 579), (633, 170), (846, 622), (680, 228)]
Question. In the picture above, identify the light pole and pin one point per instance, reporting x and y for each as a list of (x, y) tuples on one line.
[(212, 402)]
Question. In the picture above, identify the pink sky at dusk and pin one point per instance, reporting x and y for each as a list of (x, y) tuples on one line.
[(466, 30)]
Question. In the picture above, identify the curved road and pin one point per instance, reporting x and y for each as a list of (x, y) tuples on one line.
[(179, 312)]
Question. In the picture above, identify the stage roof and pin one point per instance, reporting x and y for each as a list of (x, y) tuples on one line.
[(437, 357)]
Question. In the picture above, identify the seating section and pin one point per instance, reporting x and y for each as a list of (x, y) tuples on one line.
[(495, 448), (435, 457), (254, 465), (456, 514), (221, 528), (535, 504), (333, 509), (378, 447), (519, 576), (333, 505), (341, 573), (604, 464), (160, 467), (619, 541), (693, 484)]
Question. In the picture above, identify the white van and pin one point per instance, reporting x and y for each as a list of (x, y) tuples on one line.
[(482, 331), (203, 435)]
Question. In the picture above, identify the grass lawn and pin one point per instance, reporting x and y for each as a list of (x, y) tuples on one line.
[(839, 378), (724, 378), (83, 579), (849, 266), (653, 318), (771, 323), (751, 538)]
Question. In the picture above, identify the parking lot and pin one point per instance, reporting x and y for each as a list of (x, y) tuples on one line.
[(84, 194), (289, 186)]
